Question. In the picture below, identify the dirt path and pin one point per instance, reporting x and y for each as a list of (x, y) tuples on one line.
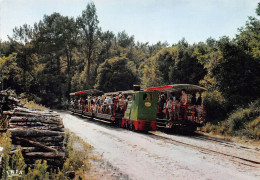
[(162, 156)]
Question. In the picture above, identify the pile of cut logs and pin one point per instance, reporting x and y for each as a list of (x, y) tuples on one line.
[(39, 133)]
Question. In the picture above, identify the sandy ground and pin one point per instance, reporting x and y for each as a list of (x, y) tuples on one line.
[(131, 155)]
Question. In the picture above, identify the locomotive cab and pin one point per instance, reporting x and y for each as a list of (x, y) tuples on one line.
[(141, 111)]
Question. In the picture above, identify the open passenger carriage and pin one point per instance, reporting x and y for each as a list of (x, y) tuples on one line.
[(113, 107), (81, 101), (94, 104), (176, 115)]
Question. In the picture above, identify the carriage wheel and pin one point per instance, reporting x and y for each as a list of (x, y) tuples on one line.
[(133, 127)]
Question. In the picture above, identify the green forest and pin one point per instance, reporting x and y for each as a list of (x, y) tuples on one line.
[(61, 54)]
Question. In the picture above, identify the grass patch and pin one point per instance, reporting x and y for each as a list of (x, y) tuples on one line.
[(243, 123), (32, 105), (77, 152)]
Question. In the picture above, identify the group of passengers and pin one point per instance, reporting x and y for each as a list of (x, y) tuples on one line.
[(176, 108), (106, 104)]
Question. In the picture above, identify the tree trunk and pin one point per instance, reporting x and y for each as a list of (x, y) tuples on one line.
[(69, 60), (34, 133), (59, 76), (37, 144), (46, 154), (88, 70)]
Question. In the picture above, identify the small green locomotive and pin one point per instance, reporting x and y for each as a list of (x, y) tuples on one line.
[(141, 112)]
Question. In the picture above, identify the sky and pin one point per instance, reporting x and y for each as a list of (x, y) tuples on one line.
[(148, 20)]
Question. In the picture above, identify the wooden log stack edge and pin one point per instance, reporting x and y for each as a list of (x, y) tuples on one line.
[(40, 134)]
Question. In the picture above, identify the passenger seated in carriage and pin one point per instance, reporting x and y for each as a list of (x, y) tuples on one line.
[(97, 104), (162, 105), (121, 99), (86, 104), (82, 102), (89, 104), (121, 104), (103, 104), (72, 102), (172, 95), (169, 109), (177, 108), (184, 97), (110, 103), (183, 101), (75, 103)]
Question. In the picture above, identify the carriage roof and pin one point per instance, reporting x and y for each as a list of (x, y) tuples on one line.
[(88, 92), (119, 92), (177, 88)]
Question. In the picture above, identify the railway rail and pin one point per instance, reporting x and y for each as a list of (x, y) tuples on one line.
[(242, 160), (225, 143)]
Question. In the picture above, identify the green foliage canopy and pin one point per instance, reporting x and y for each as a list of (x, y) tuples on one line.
[(115, 75)]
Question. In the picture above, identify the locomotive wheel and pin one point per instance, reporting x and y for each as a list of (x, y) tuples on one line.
[(131, 127), (119, 124), (191, 130)]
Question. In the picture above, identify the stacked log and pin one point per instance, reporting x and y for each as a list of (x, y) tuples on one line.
[(40, 135), (8, 100)]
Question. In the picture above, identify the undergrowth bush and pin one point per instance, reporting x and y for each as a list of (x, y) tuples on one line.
[(31, 102), (243, 122), (6, 144), (215, 106), (30, 97), (39, 171), (32, 105)]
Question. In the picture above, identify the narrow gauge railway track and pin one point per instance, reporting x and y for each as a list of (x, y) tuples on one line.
[(244, 161), (224, 143), (96, 119)]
